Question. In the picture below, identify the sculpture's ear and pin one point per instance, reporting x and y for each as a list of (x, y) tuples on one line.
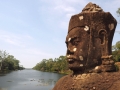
[(102, 35)]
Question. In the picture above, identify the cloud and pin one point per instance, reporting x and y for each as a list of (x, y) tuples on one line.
[(20, 45), (64, 9), (14, 39), (36, 51)]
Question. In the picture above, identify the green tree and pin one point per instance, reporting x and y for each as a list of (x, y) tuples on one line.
[(53, 65), (118, 11), (118, 45), (8, 62), (3, 55), (12, 63), (116, 51)]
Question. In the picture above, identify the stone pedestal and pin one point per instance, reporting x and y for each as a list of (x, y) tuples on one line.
[(90, 81)]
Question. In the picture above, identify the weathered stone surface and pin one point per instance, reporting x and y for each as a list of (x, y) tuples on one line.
[(89, 54), (91, 81), (89, 40), (90, 7)]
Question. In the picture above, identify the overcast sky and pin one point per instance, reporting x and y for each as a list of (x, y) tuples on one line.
[(32, 30)]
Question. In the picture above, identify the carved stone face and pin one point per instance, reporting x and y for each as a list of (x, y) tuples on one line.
[(77, 42), (89, 39)]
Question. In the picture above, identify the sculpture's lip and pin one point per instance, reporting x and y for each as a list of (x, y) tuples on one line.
[(70, 60)]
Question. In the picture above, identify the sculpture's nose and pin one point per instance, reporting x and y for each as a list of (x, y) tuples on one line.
[(69, 51)]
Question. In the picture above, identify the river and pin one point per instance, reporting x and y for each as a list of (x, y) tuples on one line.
[(28, 79)]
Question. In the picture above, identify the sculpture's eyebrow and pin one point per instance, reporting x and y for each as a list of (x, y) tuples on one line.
[(67, 39), (70, 38)]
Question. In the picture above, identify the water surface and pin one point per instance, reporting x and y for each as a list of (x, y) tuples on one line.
[(28, 79)]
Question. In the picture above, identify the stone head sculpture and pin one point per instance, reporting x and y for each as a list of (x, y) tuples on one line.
[(89, 40)]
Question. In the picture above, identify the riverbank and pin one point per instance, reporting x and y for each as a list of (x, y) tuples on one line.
[(6, 71), (59, 72)]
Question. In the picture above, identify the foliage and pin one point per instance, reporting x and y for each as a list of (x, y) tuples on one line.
[(116, 51), (117, 67), (8, 62), (3, 55), (57, 65), (118, 11)]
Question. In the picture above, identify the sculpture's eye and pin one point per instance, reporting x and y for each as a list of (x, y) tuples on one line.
[(74, 41)]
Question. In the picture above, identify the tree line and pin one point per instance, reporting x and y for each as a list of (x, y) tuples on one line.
[(8, 62), (116, 51), (58, 65)]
